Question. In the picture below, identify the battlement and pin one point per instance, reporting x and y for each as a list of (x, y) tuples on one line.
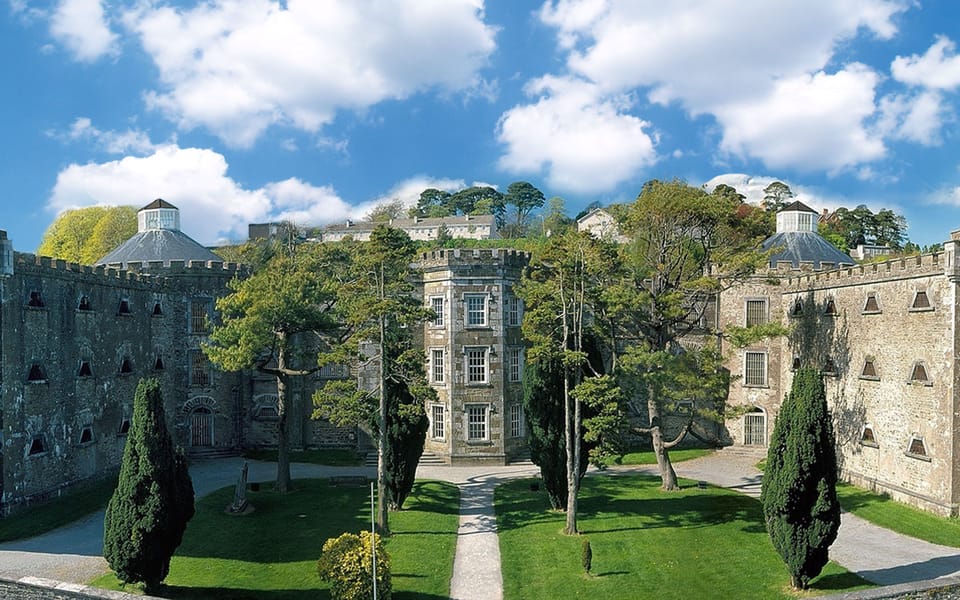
[(459, 257), (180, 267), (151, 272), (934, 263)]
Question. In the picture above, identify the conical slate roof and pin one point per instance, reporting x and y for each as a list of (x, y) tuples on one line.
[(804, 246), (158, 239)]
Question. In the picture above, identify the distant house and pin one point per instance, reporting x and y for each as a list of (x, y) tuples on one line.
[(473, 227), (600, 224)]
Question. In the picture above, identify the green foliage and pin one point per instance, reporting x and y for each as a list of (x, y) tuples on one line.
[(799, 496), (85, 235), (347, 564), (524, 198), (606, 424), (586, 555), (407, 426), (848, 228), (149, 511)]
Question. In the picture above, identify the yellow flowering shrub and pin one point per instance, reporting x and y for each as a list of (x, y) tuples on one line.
[(346, 563)]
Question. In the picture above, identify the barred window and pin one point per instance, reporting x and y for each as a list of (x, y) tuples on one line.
[(437, 367), (756, 312), (436, 303), (476, 365), (477, 421), (514, 364), (199, 368), (517, 422), (200, 315), (476, 310), (755, 368), (437, 424), (513, 311)]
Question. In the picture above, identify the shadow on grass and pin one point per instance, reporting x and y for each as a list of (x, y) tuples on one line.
[(838, 581), (177, 592)]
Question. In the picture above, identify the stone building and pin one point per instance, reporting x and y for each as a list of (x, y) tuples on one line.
[(886, 338), (423, 229)]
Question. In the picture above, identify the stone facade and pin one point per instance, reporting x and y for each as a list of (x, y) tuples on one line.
[(886, 336)]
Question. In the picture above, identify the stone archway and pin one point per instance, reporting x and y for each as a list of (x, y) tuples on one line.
[(755, 428)]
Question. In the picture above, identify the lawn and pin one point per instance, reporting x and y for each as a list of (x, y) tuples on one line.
[(696, 543), (271, 553), (647, 457), (75, 504), (327, 456), (902, 518)]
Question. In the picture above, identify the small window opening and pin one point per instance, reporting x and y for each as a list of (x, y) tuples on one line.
[(124, 308), (157, 310), (36, 299), (867, 438), (158, 364), (917, 447), (797, 309), (869, 370), (829, 367), (36, 373), (86, 436), (124, 428), (84, 303), (830, 308), (125, 366), (85, 370), (920, 301), (37, 446), (919, 373), (871, 305), (795, 364)]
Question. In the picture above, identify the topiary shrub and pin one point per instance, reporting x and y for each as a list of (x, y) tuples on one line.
[(586, 555), (346, 564)]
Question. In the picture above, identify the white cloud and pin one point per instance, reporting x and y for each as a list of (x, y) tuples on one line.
[(81, 26), (584, 141), (918, 118), (213, 206), (938, 68), (130, 141), (408, 191), (239, 67)]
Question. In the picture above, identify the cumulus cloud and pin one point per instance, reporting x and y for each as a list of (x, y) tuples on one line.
[(239, 67), (213, 206), (81, 26), (918, 117), (938, 68), (124, 142), (584, 141), (752, 187)]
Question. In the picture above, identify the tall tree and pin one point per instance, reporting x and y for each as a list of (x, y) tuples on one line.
[(271, 320), (153, 501), (775, 196), (84, 235), (386, 211), (524, 198), (555, 219), (375, 305), (799, 496)]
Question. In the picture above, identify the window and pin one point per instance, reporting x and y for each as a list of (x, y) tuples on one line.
[(126, 367), (266, 407), (755, 368), (872, 304), (517, 422), (199, 368), (36, 299), (756, 312), (797, 309), (124, 428), (513, 311), (86, 436), (921, 301), (477, 422), (84, 303), (476, 310), (867, 438), (795, 363), (37, 445), (437, 424), (333, 371), (476, 364), (36, 374), (514, 364), (829, 367), (124, 307), (918, 374), (157, 309), (917, 448), (437, 371), (830, 308), (85, 370), (200, 315), (869, 370), (158, 364), (684, 407), (436, 303)]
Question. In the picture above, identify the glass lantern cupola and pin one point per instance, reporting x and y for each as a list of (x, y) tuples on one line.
[(159, 214)]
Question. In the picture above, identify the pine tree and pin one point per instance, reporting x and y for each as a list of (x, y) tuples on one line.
[(799, 496), (407, 426), (153, 502)]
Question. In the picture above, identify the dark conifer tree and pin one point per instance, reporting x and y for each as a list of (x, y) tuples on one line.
[(799, 495), (153, 502), (407, 426)]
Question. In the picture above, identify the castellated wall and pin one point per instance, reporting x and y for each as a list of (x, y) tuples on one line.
[(890, 348), (452, 277)]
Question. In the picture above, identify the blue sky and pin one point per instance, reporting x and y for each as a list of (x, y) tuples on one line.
[(241, 111)]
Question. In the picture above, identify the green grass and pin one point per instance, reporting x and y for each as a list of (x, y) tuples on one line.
[(76, 504), (647, 457), (902, 518), (326, 456), (696, 543), (271, 553)]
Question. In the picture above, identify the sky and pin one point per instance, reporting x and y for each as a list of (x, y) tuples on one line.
[(249, 111)]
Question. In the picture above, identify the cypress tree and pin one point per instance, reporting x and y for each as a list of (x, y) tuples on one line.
[(407, 426), (149, 510), (799, 495)]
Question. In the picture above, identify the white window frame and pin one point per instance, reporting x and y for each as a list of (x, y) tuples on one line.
[(438, 304), (514, 311), (472, 316), (476, 357), (748, 381), (765, 312), (477, 417), (438, 416), (438, 365), (518, 423), (514, 365)]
